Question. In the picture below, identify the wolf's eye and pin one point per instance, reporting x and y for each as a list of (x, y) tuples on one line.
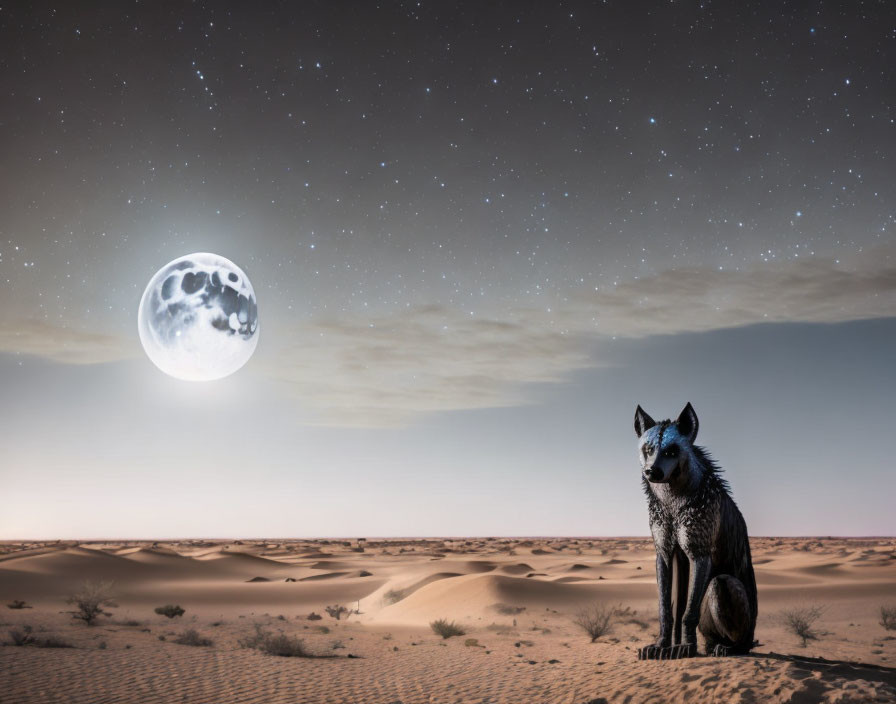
[(671, 451)]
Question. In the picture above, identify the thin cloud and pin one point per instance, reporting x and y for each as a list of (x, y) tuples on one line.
[(388, 370), (382, 371), (62, 344)]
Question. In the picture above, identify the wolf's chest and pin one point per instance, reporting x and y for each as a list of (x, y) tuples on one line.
[(690, 529)]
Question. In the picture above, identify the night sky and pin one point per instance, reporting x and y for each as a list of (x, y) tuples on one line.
[(479, 234)]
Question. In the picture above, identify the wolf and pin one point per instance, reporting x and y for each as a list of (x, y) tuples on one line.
[(704, 571)]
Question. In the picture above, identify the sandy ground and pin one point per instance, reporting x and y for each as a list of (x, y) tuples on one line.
[(515, 599)]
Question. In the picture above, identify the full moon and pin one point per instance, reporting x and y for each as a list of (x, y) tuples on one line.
[(198, 318)]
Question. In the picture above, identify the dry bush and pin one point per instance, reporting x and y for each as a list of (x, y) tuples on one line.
[(90, 601), (799, 621), (629, 616), (445, 628), (22, 637), (314, 617), (337, 611), (596, 620), (275, 644), (192, 637), (507, 609), (26, 637), (17, 604), (888, 617), (393, 596), (170, 610)]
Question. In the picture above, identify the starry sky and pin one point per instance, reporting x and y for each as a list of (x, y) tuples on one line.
[(479, 234)]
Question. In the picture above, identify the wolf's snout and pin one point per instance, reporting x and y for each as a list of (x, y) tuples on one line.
[(653, 474)]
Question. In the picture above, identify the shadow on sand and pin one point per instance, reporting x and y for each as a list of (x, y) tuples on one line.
[(823, 671)]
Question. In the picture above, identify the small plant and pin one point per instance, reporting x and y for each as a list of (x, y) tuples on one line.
[(170, 610), (314, 617), (629, 616), (799, 621), (275, 644), (888, 617), (192, 637), (393, 596), (102, 645), (90, 601), (507, 609), (22, 637), (133, 623), (53, 642), (17, 604), (337, 611), (596, 620), (445, 628)]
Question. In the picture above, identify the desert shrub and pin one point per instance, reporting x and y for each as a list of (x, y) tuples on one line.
[(170, 610), (192, 637), (22, 637), (445, 628), (90, 601), (337, 611), (275, 644), (314, 617), (393, 596), (629, 616), (507, 609), (132, 622), (17, 604), (53, 642), (799, 621), (888, 617), (596, 620)]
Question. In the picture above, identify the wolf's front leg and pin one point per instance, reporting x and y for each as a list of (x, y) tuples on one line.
[(664, 586), (700, 568)]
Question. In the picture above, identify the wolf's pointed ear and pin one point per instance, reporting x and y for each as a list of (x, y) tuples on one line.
[(642, 421), (687, 422)]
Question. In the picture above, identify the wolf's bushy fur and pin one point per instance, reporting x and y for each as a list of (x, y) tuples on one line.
[(704, 568)]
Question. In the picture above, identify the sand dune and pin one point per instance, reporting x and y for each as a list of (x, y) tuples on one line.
[(516, 598)]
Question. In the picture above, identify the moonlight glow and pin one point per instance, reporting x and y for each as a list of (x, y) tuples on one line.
[(198, 318)]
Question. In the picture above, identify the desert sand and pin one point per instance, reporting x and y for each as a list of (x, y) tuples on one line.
[(514, 598)]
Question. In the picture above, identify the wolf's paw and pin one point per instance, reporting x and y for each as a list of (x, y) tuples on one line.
[(668, 652), (679, 652), (650, 652), (720, 651)]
